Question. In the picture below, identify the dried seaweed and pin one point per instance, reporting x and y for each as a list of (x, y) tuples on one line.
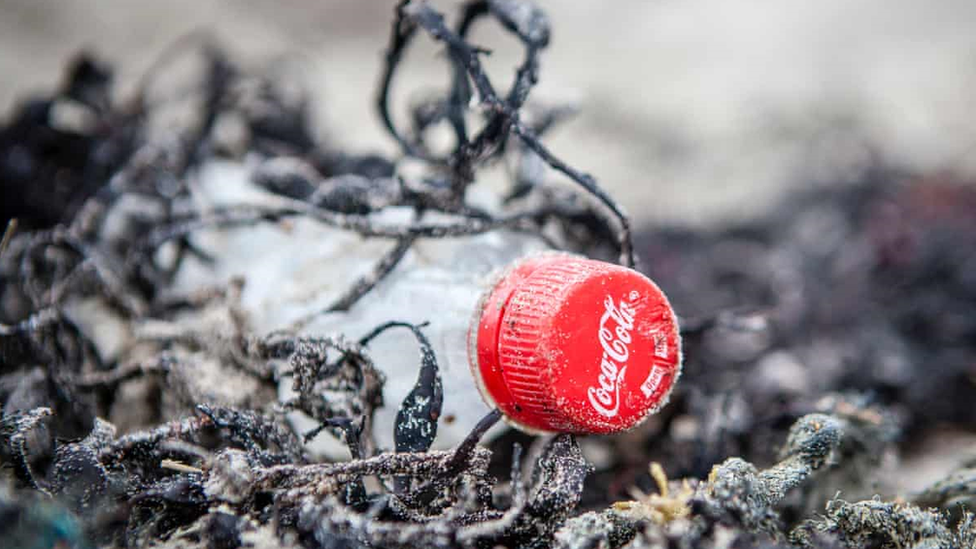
[(819, 340), (229, 466)]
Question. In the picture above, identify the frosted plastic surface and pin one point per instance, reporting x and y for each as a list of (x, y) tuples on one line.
[(299, 266)]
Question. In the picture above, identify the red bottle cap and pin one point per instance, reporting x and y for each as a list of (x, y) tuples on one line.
[(568, 344)]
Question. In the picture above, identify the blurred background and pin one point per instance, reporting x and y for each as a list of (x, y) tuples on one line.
[(689, 112), (856, 299)]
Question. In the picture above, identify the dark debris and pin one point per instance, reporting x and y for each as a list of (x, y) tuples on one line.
[(820, 341)]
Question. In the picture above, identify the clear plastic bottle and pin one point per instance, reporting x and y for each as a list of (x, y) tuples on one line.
[(300, 266), (438, 282), (556, 342)]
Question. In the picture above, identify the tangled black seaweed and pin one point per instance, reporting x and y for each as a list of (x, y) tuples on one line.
[(225, 470), (194, 451)]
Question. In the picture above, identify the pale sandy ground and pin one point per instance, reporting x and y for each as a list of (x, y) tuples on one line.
[(691, 111)]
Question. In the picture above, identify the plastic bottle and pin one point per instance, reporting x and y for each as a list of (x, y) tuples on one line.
[(302, 266)]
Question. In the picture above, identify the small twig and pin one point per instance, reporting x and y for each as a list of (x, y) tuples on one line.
[(463, 451), (385, 265), (125, 372), (173, 465), (246, 215), (418, 465), (625, 238), (367, 282), (364, 340), (8, 233)]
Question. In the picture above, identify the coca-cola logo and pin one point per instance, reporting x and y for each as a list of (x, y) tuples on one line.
[(614, 335)]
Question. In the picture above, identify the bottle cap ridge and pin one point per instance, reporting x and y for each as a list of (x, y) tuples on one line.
[(563, 343)]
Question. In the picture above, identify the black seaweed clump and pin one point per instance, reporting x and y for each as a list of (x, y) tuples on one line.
[(821, 341)]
